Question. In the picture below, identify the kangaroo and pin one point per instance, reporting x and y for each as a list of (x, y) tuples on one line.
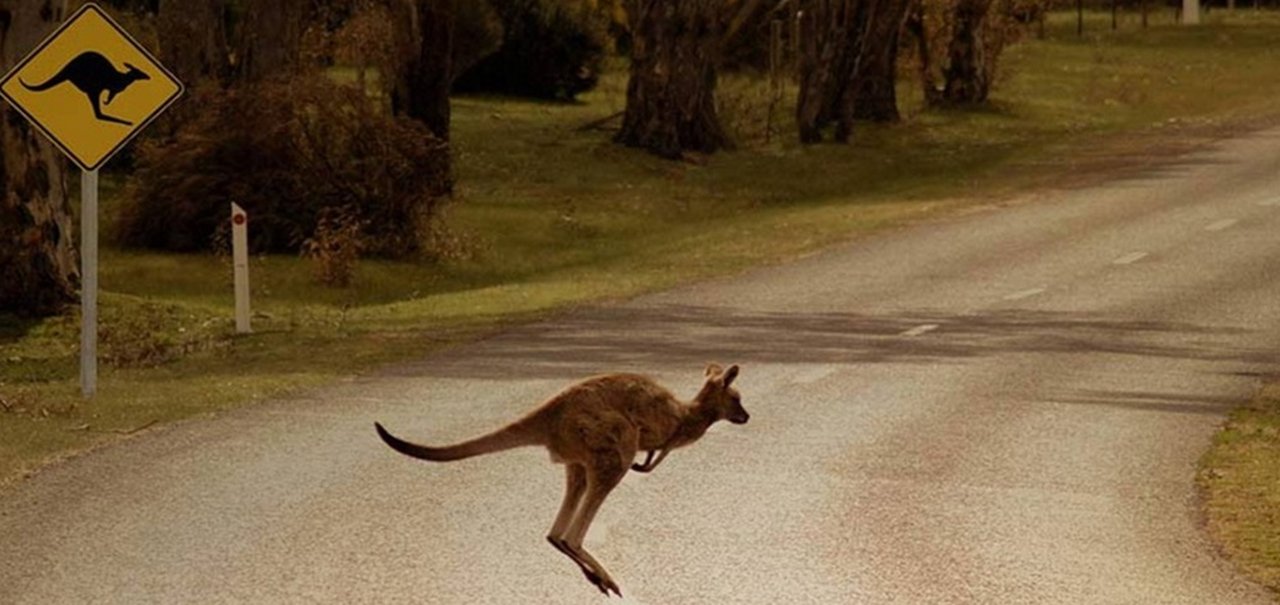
[(93, 73), (595, 428)]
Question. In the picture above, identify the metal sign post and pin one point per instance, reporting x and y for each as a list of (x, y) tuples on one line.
[(240, 258), (88, 282), (58, 87)]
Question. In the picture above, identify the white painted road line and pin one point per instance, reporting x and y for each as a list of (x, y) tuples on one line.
[(1024, 294), (1222, 224), (814, 374), (918, 330), (1130, 258)]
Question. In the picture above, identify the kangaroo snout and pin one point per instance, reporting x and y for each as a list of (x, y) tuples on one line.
[(740, 418)]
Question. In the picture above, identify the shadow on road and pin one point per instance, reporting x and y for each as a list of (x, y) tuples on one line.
[(653, 338), (1153, 402)]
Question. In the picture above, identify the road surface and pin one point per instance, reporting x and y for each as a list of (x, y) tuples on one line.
[(1000, 407)]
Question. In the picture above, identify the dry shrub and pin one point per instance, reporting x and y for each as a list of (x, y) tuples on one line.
[(286, 150), (751, 111), (335, 246)]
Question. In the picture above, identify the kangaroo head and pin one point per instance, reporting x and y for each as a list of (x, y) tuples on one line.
[(133, 73), (718, 394)]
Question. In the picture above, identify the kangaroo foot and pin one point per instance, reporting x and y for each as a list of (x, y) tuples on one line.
[(604, 583), (608, 584), (600, 580)]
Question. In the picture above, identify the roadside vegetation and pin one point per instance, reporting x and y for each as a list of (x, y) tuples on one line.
[(547, 215), (1240, 481)]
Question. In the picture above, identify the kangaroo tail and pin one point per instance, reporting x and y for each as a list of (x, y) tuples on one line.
[(50, 83), (513, 436)]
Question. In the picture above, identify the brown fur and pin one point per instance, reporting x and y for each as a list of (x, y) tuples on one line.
[(595, 428)]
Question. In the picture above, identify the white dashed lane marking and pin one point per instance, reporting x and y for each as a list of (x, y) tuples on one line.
[(1024, 294), (812, 375), (1222, 224), (918, 330), (1130, 258)]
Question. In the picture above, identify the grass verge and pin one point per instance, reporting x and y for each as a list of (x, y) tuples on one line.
[(1239, 478), (551, 216)]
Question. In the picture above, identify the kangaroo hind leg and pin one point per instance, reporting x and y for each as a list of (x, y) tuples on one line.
[(97, 112), (575, 486), (601, 480)]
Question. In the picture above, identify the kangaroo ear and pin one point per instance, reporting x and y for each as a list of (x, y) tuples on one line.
[(730, 374), (713, 370)]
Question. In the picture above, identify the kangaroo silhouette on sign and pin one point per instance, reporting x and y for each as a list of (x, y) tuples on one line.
[(93, 73)]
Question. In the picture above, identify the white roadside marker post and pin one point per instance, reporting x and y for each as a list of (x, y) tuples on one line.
[(88, 283), (1191, 12), (240, 258)]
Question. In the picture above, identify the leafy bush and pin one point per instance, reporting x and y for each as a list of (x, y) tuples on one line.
[(286, 150), (549, 50)]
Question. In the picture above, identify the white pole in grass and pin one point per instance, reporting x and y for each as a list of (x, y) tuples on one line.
[(88, 283), (1190, 12), (240, 258)]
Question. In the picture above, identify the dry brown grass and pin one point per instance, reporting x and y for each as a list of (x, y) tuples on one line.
[(1240, 478)]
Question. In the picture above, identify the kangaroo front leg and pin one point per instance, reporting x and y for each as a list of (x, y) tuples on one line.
[(644, 468), (649, 462)]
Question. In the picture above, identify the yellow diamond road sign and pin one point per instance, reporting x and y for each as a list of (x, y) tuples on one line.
[(90, 87)]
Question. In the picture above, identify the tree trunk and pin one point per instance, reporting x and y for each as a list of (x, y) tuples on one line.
[(969, 70), (671, 105), (919, 29), (831, 37), (875, 83), (425, 74), (38, 269), (270, 37), (848, 68), (193, 39)]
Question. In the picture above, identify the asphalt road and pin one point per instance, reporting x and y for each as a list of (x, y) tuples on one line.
[(1001, 407)]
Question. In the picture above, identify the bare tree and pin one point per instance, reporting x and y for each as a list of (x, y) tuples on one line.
[(38, 271)]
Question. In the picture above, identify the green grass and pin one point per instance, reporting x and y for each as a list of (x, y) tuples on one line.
[(1240, 481), (550, 216)]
